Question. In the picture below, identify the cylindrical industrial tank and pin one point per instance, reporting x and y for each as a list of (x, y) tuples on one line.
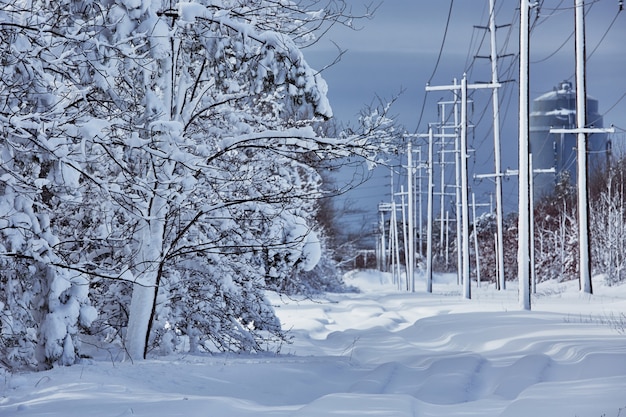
[(557, 109)]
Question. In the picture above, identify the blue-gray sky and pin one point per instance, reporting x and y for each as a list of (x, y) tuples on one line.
[(399, 48)]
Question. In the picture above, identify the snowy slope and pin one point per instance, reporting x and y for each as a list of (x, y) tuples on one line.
[(377, 353)]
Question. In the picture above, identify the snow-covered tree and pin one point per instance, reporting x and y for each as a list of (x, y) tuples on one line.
[(157, 162), (213, 149)]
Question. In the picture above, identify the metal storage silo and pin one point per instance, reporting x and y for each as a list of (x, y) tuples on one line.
[(557, 109)]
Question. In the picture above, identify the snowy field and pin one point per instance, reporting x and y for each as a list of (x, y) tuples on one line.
[(377, 353)]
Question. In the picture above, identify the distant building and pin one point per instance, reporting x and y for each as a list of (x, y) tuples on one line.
[(557, 109)]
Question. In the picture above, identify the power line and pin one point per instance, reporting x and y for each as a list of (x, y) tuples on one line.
[(565, 42), (605, 33), (443, 42), (571, 34), (614, 105)]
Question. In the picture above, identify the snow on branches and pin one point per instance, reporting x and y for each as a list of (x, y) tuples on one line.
[(159, 172)]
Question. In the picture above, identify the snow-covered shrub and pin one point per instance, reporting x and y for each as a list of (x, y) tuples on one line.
[(556, 233), (325, 277), (18, 322), (208, 306), (607, 222)]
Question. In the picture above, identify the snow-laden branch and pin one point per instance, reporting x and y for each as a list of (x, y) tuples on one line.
[(281, 43)]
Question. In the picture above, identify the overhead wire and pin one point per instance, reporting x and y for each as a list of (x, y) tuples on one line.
[(443, 42), (556, 51), (469, 65), (606, 32), (589, 5), (571, 34), (540, 19), (619, 100), (602, 38), (469, 50), (506, 100)]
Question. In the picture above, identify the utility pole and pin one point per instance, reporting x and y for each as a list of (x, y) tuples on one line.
[(447, 251), (429, 211), (477, 257), (493, 57), (523, 243), (467, 288), (405, 239), (475, 233), (430, 165), (411, 245), (496, 145), (515, 172), (418, 190), (429, 215), (415, 197), (465, 271), (457, 164), (419, 218), (442, 165), (383, 250), (581, 144), (457, 191), (443, 136), (393, 232), (533, 272)]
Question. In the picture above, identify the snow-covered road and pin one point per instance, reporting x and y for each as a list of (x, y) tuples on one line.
[(376, 353)]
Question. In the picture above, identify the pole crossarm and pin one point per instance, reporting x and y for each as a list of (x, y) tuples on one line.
[(483, 176), (384, 208), (458, 87), (514, 172), (437, 135), (585, 130)]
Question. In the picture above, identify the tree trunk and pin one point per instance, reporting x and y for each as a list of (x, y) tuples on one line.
[(145, 288), (138, 321)]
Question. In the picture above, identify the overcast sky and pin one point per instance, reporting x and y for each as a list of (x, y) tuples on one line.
[(398, 50)]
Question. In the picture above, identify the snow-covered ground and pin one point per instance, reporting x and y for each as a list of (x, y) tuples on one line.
[(377, 353)]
